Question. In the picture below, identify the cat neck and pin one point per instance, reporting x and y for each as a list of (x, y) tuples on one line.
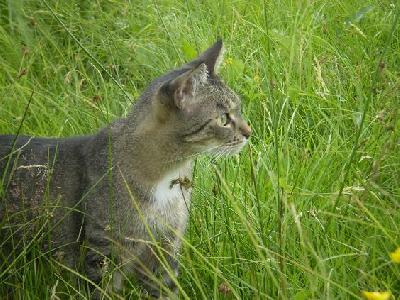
[(146, 158)]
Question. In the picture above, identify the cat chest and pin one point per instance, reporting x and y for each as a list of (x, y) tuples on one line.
[(171, 200), (170, 191)]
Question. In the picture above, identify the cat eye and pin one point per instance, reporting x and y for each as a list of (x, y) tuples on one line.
[(224, 119)]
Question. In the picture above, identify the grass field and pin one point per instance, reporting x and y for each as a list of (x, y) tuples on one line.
[(309, 210)]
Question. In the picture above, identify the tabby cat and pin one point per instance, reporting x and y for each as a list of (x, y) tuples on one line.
[(123, 194)]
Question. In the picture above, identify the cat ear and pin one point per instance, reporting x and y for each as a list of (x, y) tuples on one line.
[(182, 89), (212, 57)]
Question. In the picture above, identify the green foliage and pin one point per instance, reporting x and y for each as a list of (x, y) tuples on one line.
[(264, 224)]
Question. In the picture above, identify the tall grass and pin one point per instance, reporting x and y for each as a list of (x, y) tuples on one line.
[(309, 210)]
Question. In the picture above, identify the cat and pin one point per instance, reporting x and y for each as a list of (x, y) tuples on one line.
[(124, 192)]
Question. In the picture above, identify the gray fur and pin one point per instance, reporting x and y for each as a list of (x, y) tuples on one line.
[(100, 192)]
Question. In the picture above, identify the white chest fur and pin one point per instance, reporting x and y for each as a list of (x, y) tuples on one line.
[(171, 198), (169, 193), (168, 190)]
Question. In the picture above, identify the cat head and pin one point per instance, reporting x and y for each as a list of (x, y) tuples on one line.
[(198, 109)]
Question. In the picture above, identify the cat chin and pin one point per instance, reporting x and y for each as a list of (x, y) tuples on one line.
[(233, 150), (228, 150)]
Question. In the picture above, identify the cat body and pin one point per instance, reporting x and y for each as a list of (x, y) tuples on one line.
[(124, 193)]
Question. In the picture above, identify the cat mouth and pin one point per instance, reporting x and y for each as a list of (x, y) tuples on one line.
[(237, 146), (231, 148)]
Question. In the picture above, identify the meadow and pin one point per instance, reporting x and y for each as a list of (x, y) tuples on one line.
[(310, 209)]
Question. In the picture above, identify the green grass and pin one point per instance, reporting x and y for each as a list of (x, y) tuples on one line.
[(310, 209)]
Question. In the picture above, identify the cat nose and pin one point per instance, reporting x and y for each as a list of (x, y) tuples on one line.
[(245, 130)]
